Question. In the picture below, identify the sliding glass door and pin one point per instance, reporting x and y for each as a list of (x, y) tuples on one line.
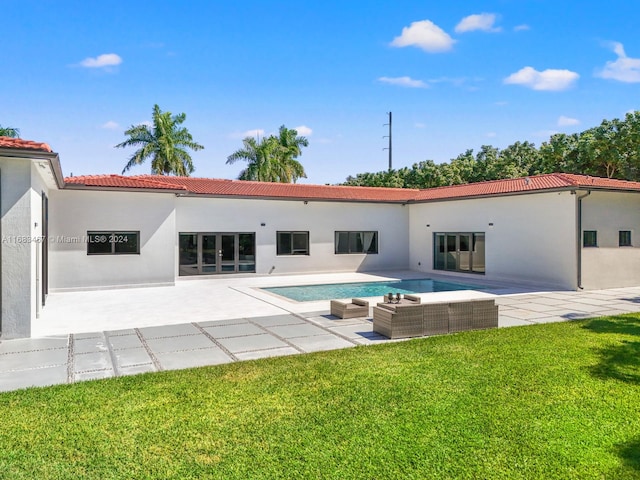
[(212, 253), (459, 252)]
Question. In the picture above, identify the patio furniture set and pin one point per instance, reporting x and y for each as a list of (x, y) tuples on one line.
[(408, 317)]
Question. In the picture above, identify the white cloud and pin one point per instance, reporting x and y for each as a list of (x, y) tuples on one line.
[(521, 28), (551, 80), (425, 35), (110, 125), (258, 132), (624, 69), (420, 125), (101, 61), (491, 134), (481, 21), (148, 123), (567, 121), (403, 82), (303, 130)]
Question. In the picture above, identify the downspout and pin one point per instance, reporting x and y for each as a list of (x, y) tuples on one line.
[(579, 238)]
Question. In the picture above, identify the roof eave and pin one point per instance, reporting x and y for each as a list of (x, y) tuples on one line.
[(80, 186), (52, 159), (493, 195), (294, 199)]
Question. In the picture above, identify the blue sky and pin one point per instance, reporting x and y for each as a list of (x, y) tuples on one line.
[(456, 75)]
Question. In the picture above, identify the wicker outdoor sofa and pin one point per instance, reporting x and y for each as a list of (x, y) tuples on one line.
[(356, 308), (403, 321)]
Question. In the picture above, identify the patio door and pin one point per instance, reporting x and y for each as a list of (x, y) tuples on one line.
[(459, 252), (213, 253)]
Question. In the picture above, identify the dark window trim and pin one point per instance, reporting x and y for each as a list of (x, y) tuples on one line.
[(292, 253), (473, 251), (349, 232), (627, 241), (112, 236), (590, 244)]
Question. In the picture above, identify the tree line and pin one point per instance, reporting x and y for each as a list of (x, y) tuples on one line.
[(610, 150)]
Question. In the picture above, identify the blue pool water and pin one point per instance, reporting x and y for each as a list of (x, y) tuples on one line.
[(307, 293)]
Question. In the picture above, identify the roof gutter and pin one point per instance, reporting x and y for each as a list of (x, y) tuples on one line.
[(579, 237)]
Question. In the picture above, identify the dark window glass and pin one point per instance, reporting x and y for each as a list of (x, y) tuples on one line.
[(342, 242), (356, 242), (98, 244), (292, 243), (624, 238), (590, 238), (300, 242), (125, 242), (459, 252), (113, 243)]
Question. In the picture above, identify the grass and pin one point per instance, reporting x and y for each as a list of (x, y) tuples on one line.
[(545, 401)]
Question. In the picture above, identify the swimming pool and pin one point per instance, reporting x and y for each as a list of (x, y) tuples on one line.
[(307, 293)]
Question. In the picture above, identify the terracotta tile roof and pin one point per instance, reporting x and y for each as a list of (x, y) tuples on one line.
[(121, 181), (524, 184), (244, 189), (18, 143), (239, 188)]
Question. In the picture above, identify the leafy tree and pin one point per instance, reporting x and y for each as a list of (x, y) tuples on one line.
[(9, 132), (166, 143), (611, 150), (518, 160), (272, 159), (559, 154)]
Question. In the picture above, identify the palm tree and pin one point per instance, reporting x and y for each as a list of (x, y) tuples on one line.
[(291, 147), (261, 156), (166, 144), (9, 132), (272, 159)]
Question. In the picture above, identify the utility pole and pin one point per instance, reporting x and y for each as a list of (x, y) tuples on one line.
[(390, 143)]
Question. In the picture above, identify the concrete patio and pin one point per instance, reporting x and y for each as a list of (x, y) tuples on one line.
[(100, 334)]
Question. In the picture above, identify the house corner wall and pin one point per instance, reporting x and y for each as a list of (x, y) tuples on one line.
[(17, 230), (529, 239), (608, 265)]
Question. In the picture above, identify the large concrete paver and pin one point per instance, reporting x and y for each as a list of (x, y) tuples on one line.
[(225, 329), (249, 343)]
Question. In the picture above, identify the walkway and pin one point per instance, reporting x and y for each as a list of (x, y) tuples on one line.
[(101, 334)]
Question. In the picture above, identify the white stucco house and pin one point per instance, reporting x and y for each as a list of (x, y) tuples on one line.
[(113, 231)]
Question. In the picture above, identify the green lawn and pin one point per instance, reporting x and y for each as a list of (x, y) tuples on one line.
[(545, 401)]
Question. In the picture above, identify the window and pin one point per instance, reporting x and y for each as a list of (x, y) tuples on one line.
[(624, 238), (292, 243), (459, 252), (356, 242), (113, 243), (590, 238)]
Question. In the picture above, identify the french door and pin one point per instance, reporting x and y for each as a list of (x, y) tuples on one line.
[(213, 253), (459, 252)]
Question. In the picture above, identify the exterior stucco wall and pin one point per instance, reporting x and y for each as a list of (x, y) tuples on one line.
[(21, 190), (73, 213), (532, 239), (16, 229), (608, 265), (320, 219)]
